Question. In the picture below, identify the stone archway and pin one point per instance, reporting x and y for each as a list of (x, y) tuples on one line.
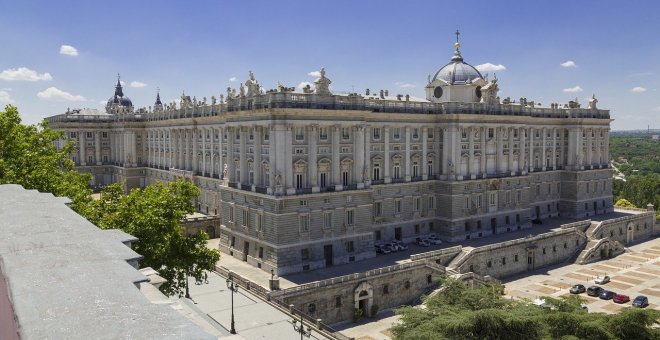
[(364, 298)]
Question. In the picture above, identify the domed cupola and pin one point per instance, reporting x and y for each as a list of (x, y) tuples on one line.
[(119, 103), (457, 81)]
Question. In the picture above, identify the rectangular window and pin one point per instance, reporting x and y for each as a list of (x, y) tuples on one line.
[(515, 258), (345, 133), (378, 209), (491, 201), (338, 301), (415, 133), (376, 132), (479, 201), (266, 134), (396, 133), (349, 217), (491, 133), (431, 202), (303, 203), (73, 135), (304, 223), (323, 133), (397, 206), (350, 247), (105, 135), (259, 219), (261, 252), (300, 133), (508, 197), (231, 214), (429, 134), (304, 254), (245, 218), (519, 196), (417, 203), (327, 219)]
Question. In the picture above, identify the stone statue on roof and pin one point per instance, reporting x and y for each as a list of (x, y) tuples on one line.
[(592, 102), (252, 85), (323, 84), (242, 90)]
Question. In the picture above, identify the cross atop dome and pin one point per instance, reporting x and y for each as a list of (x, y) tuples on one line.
[(457, 52)]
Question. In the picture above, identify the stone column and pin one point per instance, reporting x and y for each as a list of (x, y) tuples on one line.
[(221, 164), (407, 154), (368, 133), (180, 148), (257, 156), (81, 148), (212, 152), (554, 148), (484, 154), (589, 155), (231, 164), (445, 153), (358, 157), (510, 169), (531, 149), (438, 166), (606, 147), (312, 160), (522, 158), (194, 157), (97, 146), (562, 147), (272, 159), (499, 132), (204, 135), (471, 170), (133, 141), (543, 147), (336, 177), (386, 158), (425, 150), (288, 161)]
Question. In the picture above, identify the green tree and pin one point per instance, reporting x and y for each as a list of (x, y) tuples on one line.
[(624, 203), (153, 215), (28, 157), (459, 312)]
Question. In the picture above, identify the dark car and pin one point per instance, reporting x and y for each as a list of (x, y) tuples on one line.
[(640, 301), (606, 294), (594, 290), (578, 289)]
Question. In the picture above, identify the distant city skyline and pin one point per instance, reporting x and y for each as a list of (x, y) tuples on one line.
[(67, 54)]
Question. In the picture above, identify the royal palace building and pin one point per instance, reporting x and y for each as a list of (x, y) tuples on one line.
[(307, 179)]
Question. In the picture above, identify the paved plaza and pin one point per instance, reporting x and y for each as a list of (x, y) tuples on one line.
[(210, 308), (636, 272)]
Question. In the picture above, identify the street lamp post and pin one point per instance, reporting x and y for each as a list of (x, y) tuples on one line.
[(187, 290), (234, 289), (301, 329)]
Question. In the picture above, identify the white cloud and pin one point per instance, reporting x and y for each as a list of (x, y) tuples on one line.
[(136, 83), (103, 103), (573, 89), (569, 63), (638, 89), (657, 108), (488, 67), (232, 79), (405, 85), (6, 89), (305, 83), (5, 97), (24, 73), (55, 94), (68, 50), (316, 74)]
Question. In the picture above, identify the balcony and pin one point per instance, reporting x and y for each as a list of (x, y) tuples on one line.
[(377, 181)]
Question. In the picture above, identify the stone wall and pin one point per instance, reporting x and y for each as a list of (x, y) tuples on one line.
[(335, 300)]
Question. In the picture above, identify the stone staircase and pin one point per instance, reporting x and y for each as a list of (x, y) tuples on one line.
[(456, 261)]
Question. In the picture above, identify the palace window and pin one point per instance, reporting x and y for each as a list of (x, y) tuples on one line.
[(105, 135), (300, 133), (479, 201), (376, 132), (417, 202), (246, 218), (73, 135), (327, 219), (415, 169), (350, 214), (429, 134), (378, 209), (376, 172), (299, 181), (350, 247), (492, 200), (415, 133), (259, 219), (303, 203), (396, 133), (304, 254), (324, 179), (345, 133), (304, 223), (345, 178), (464, 133), (231, 214), (397, 171), (429, 168), (397, 206), (431, 202), (323, 133)]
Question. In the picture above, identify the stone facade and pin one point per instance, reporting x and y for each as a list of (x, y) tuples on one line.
[(306, 180)]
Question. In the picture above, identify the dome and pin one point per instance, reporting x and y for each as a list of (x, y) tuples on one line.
[(121, 101), (457, 71)]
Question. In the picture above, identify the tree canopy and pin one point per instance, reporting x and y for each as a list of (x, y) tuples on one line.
[(460, 312), (28, 157), (153, 215)]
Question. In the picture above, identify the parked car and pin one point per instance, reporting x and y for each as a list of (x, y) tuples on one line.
[(381, 249), (400, 246), (640, 301), (578, 289), (606, 294), (392, 248), (422, 242), (433, 239), (620, 298), (594, 290), (603, 279)]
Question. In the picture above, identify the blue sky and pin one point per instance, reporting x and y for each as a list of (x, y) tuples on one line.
[(200, 46)]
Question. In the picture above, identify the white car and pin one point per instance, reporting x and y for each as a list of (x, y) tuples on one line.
[(603, 279), (434, 240), (422, 242)]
